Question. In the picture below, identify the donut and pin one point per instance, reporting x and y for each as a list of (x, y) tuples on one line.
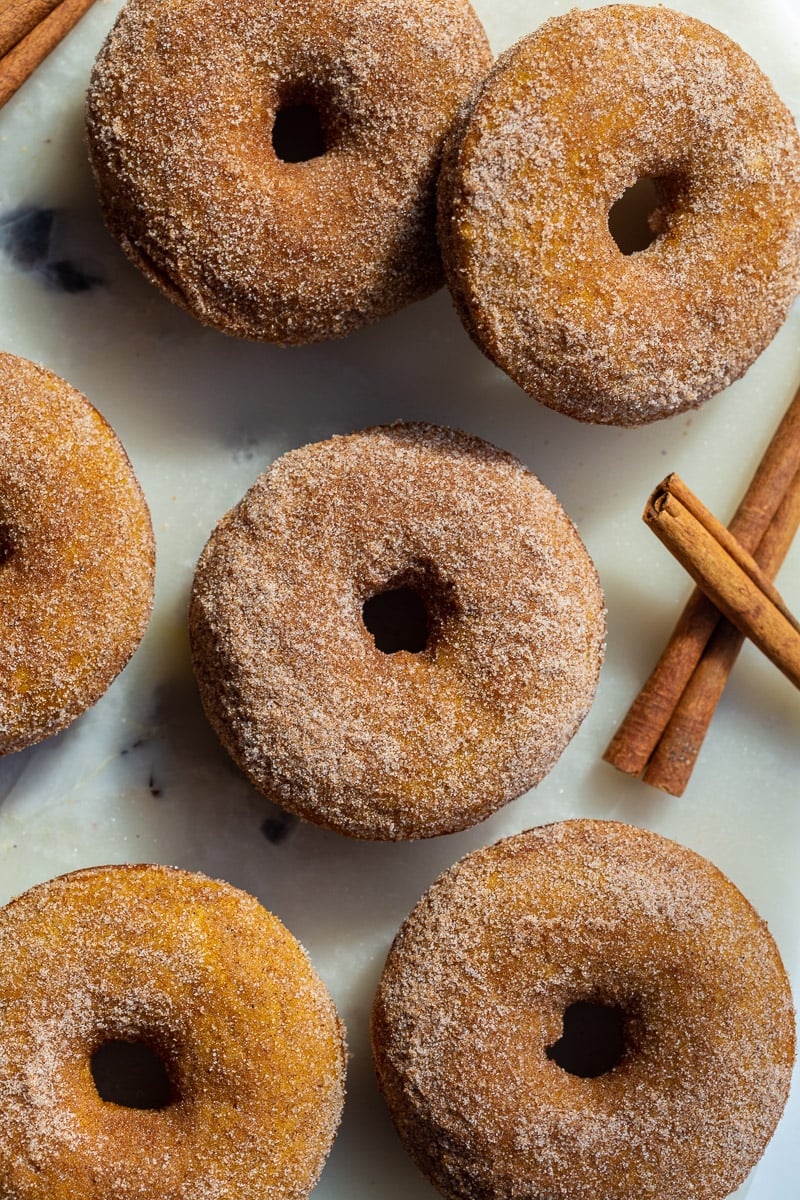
[(76, 554), (197, 112), (421, 739), (570, 119), (473, 1009), (211, 983)]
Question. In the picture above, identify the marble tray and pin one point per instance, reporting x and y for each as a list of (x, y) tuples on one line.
[(141, 777)]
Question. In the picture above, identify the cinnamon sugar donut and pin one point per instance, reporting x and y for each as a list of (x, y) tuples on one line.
[(187, 104), (210, 981), (76, 554), (427, 739), (471, 1019), (569, 119)]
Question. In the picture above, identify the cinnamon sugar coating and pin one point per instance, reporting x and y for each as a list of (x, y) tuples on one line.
[(567, 121), (474, 992), (181, 110), (77, 555), (202, 974), (396, 745)]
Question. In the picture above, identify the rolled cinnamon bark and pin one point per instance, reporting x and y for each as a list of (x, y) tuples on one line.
[(18, 17), (671, 764), (662, 733), (21, 61), (725, 572)]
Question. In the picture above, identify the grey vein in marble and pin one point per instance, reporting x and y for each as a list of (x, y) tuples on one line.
[(27, 237)]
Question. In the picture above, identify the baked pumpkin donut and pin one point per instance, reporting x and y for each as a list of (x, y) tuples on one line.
[(189, 107), (472, 1022), (76, 554), (570, 119), (434, 732), (200, 973)]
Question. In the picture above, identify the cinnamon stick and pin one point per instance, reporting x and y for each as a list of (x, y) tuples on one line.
[(672, 501), (727, 574), (18, 17), (673, 759), (34, 47), (660, 702)]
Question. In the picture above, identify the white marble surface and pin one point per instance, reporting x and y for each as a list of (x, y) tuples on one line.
[(141, 776)]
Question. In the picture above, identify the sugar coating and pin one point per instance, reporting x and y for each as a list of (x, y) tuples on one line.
[(407, 744), (569, 119), (181, 106), (76, 554), (476, 985), (217, 986)]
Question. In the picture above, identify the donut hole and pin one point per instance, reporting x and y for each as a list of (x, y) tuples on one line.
[(398, 620), (308, 121), (593, 1039), (7, 543), (410, 611), (631, 218), (298, 133), (131, 1074)]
